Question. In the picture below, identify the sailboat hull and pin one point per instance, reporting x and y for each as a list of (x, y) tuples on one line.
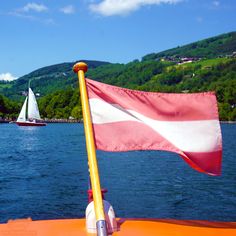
[(30, 124)]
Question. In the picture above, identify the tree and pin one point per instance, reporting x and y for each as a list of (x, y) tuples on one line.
[(77, 112)]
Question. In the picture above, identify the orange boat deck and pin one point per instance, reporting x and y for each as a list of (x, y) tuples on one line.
[(136, 227)]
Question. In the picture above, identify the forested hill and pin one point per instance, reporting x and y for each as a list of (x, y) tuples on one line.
[(162, 72), (45, 80), (218, 46)]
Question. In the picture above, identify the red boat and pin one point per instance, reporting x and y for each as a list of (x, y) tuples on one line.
[(31, 123)]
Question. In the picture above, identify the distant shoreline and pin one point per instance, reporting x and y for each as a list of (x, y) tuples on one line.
[(63, 121), (5, 121), (81, 121), (228, 122)]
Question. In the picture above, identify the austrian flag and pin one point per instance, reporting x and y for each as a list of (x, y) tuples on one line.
[(187, 124)]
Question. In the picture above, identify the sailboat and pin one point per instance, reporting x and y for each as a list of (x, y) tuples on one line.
[(29, 114)]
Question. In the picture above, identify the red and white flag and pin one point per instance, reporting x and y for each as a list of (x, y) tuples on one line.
[(187, 124)]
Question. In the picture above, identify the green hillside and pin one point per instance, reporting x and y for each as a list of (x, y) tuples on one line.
[(175, 70), (207, 75), (56, 77), (45, 80)]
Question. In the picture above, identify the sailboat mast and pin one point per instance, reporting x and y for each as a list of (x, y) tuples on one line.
[(27, 109)]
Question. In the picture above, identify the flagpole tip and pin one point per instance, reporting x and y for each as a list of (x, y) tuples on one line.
[(80, 66)]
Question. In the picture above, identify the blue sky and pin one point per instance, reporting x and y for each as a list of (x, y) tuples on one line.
[(38, 33)]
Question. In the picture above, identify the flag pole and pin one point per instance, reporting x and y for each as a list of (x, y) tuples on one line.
[(80, 68)]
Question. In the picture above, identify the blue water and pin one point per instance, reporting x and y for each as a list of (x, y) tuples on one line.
[(43, 175)]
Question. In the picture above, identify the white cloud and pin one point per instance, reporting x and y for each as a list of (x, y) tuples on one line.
[(124, 7), (68, 9), (34, 7), (27, 12), (7, 77)]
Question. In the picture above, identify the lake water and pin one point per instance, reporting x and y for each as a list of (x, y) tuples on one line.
[(43, 175)]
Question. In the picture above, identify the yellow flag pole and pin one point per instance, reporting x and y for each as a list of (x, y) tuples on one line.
[(80, 68)]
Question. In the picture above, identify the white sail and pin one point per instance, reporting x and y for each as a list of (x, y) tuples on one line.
[(22, 115), (33, 111)]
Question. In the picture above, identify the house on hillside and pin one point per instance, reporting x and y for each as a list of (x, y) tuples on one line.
[(184, 60)]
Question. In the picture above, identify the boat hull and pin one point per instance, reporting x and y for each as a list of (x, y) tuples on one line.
[(30, 124), (127, 227)]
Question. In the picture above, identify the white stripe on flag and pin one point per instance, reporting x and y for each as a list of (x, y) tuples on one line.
[(188, 136)]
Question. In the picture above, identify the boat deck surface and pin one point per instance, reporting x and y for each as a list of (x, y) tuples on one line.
[(137, 227)]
